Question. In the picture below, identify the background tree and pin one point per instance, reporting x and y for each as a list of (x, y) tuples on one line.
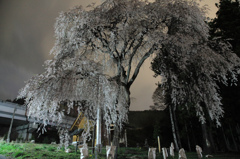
[(193, 71), (161, 101), (151, 124), (158, 98), (226, 26)]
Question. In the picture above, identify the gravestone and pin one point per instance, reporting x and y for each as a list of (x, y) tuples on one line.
[(209, 156), (152, 153), (199, 151), (165, 153), (84, 152), (182, 154), (172, 150), (68, 150), (110, 150)]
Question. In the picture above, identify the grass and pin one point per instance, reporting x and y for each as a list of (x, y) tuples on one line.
[(34, 151), (47, 151)]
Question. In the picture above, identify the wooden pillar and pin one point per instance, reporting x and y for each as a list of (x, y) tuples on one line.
[(10, 128)]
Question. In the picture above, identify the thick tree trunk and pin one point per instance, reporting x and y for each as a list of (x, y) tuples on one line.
[(173, 128), (116, 127)]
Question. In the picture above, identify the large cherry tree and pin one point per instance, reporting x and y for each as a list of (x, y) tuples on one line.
[(120, 35)]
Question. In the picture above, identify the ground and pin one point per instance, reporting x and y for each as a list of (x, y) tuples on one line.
[(47, 151)]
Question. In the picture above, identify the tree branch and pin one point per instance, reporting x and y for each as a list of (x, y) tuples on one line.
[(132, 55), (147, 54)]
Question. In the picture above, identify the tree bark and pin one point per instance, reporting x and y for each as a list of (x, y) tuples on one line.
[(188, 140), (125, 136), (173, 128), (177, 130), (234, 142), (116, 127), (193, 134), (191, 129), (238, 132), (213, 147), (225, 140), (206, 143), (116, 139)]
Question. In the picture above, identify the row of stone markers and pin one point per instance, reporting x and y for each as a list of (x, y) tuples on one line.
[(110, 151), (182, 154)]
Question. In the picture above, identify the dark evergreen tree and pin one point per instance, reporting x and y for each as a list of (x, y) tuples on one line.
[(189, 79), (226, 26)]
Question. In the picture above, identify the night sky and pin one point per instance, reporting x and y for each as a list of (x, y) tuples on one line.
[(27, 36)]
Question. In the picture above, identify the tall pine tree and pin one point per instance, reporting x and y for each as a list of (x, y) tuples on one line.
[(226, 26)]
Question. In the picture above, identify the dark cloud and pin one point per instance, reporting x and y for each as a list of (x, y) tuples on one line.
[(12, 79), (26, 30), (26, 37)]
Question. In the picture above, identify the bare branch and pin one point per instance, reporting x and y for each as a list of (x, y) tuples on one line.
[(147, 54), (131, 57)]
